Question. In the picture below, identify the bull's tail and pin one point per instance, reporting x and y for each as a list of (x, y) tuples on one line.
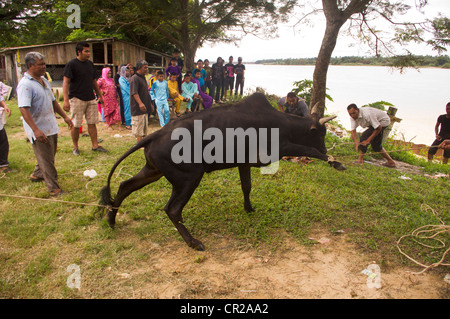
[(105, 193)]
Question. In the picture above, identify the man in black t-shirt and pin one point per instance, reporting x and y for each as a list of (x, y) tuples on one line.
[(442, 134), (229, 77), (239, 69), (79, 84), (217, 77)]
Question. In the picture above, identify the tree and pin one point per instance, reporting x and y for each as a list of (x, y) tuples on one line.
[(14, 14), (189, 24), (361, 16)]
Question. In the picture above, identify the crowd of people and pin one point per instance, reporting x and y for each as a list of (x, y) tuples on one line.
[(134, 95), (201, 87)]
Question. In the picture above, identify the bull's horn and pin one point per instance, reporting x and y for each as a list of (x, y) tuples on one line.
[(322, 121)]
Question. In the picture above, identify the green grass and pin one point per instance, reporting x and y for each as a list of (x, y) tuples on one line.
[(40, 239)]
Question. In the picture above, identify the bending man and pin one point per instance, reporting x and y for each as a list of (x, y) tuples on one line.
[(375, 121)]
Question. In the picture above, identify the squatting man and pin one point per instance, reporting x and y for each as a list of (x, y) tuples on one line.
[(375, 121)]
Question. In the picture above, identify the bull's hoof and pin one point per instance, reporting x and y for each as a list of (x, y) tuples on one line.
[(196, 244), (338, 166), (249, 208)]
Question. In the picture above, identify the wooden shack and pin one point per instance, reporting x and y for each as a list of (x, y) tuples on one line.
[(108, 51)]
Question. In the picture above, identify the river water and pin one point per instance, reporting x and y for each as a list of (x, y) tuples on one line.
[(420, 96)]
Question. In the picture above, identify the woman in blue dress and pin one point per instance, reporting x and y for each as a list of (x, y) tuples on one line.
[(124, 82)]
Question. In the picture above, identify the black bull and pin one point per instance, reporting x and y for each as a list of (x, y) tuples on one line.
[(297, 136)]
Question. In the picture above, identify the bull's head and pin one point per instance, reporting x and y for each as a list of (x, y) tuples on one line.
[(318, 132)]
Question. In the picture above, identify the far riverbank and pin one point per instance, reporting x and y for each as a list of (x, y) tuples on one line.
[(419, 95)]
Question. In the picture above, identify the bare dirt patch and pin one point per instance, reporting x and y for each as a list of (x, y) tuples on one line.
[(331, 270)]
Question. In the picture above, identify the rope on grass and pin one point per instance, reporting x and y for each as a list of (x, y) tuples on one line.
[(394, 151), (428, 232), (58, 201)]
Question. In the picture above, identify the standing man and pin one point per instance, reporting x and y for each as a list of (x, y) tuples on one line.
[(375, 121), (38, 107), (442, 134), (79, 83), (4, 144), (239, 69), (140, 102), (293, 104), (217, 75), (229, 77)]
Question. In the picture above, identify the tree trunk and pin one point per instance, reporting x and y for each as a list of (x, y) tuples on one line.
[(189, 56), (335, 20), (321, 69)]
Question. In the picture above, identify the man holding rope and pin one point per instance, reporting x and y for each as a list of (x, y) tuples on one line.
[(375, 121), (38, 106)]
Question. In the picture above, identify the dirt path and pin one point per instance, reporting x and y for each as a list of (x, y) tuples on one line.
[(328, 270)]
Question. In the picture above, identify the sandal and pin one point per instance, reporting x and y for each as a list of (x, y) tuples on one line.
[(35, 179), (56, 192)]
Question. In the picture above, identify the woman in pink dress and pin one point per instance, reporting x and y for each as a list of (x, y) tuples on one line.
[(111, 108)]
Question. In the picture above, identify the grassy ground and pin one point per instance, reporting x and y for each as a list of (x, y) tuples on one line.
[(39, 239)]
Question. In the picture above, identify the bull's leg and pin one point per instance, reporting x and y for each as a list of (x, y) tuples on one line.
[(246, 184), (290, 149), (181, 193), (146, 176)]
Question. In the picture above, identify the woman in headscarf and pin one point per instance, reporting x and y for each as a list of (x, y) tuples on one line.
[(124, 82), (111, 107)]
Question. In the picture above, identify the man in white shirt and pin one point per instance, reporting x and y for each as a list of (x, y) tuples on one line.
[(375, 121), (38, 106)]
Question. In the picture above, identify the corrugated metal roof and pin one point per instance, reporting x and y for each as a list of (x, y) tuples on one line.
[(6, 50)]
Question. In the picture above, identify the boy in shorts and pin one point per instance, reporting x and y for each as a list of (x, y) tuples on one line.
[(79, 84)]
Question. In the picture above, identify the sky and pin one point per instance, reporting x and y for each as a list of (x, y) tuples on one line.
[(304, 40)]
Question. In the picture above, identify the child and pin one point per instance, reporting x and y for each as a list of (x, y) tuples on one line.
[(202, 78), (190, 91), (173, 68), (152, 80), (174, 93), (206, 99), (160, 93), (4, 145), (208, 83)]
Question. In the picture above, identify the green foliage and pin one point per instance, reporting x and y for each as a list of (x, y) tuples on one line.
[(304, 89), (81, 34), (441, 32), (381, 105)]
